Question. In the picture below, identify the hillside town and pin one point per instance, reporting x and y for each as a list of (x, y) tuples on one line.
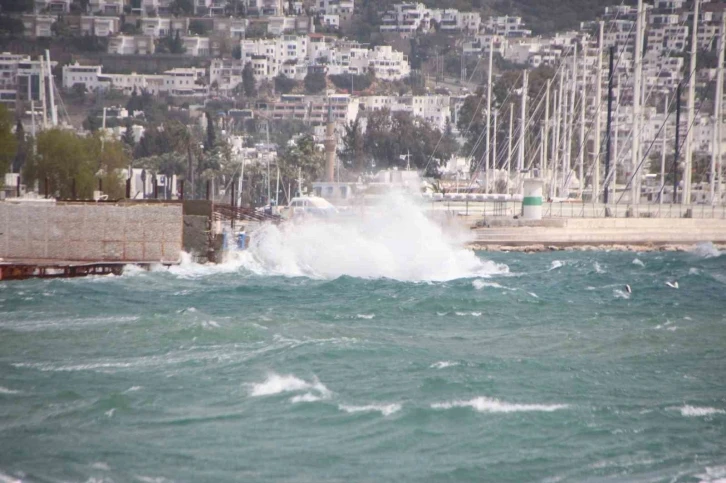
[(203, 90)]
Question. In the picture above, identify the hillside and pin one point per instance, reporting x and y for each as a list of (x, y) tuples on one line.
[(542, 16)]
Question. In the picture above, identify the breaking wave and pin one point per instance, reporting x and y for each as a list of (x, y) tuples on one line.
[(489, 405), (384, 409), (277, 384), (694, 411), (394, 240)]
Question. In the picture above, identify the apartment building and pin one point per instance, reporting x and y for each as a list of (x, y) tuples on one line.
[(228, 27), (196, 46), (507, 26), (311, 109), (335, 7), (265, 7), (280, 25), (99, 26), (106, 7), (38, 25), (154, 7), (131, 44), (157, 27), (55, 7), (86, 75)]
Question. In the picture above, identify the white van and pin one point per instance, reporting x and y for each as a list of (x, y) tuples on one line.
[(308, 206)]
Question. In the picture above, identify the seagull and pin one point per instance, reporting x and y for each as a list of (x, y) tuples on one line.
[(672, 284), (628, 289)]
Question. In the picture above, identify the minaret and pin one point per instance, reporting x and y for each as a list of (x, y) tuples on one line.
[(330, 147)]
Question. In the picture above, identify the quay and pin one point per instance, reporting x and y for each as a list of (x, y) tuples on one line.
[(24, 269)]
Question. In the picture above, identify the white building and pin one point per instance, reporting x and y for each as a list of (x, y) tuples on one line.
[(157, 27), (131, 44), (106, 7), (38, 25), (335, 7), (99, 26), (52, 6), (435, 109), (86, 75), (265, 7), (225, 74), (196, 46), (18, 75), (507, 27), (154, 7)]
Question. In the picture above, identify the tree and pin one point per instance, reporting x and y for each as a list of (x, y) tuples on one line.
[(8, 143), (354, 81), (16, 6), (300, 157), (197, 27), (63, 157), (284, 84), (128, 136), (248, 80), (11, 26), (314, 82), (22, 147), (182, 7), (353, 153), (211, 135)]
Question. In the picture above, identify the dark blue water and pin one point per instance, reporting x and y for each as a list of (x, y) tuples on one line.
[(550, 372)]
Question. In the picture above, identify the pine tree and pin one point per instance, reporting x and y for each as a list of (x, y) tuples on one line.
[(211, 135)]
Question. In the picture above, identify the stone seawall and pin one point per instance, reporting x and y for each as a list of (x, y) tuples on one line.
[(601, 231), (93, 232)]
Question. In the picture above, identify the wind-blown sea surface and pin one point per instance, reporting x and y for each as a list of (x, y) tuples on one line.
[(488, 367)]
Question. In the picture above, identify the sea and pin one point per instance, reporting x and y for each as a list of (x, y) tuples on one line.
[(378, 349)]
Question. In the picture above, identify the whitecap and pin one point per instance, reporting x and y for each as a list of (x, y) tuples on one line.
[(533, 294), (307, 397), (384, 409), (715, 474), (365, 316), (480, 284), (276, 384), (100, 465), (556, 264), (110, 412), (638, 262), (489, 405), (5, 390), (443, 364), (694, 411), (598, 268), (619, 294), (134, 389)]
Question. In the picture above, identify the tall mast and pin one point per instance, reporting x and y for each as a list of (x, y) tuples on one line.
[(561, 131), (41, 91), (555, 145), (716, 150), (489, 111), (663, 150), (608, 137), (494, 140), (598, 127), (583, 99), (637, 96), (509, 140), (545, 134), (523, 124), (53, 110), (690, 111)]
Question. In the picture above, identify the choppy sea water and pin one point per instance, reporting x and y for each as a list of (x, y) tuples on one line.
[(533, 367)]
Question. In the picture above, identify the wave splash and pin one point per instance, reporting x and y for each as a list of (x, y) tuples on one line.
[(394, 240)]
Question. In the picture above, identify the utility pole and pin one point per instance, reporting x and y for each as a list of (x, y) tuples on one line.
[(691, 112), (509, 140), (598, 127)]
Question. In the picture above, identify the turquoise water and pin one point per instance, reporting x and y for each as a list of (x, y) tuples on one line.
[(543, 370)]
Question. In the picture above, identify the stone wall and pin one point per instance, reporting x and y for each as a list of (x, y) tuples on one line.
[(91, 232)]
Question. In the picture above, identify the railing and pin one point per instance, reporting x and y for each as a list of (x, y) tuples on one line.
[(581, 210), (228, 212)]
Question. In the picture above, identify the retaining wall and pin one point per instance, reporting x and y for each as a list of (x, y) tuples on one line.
[(91, 232)]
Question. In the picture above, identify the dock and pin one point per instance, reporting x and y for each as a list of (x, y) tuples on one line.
[(24, 269)]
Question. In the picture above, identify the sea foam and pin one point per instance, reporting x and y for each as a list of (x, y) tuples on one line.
[(489, 405)]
